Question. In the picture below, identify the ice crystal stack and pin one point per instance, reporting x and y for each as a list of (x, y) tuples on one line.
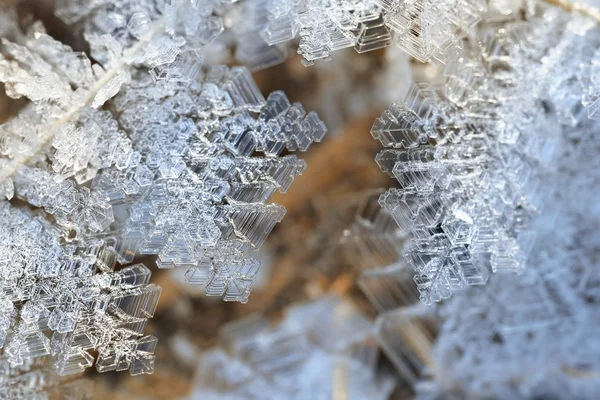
[(590, 78), (142, 154), (63, 300), (198, 197), (469, 156), (426, 29), (321, 350), (536, 335), (36, 380)]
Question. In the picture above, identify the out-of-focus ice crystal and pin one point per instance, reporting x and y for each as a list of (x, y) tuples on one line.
[(37, 380), (321, 350), (590, 78)]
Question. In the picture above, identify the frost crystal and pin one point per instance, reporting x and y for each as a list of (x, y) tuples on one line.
[(532, 335), (425, 29), (198, 197), (145, 153), (538, 331), (470, 156), (590, 77), (64, 300), (320, 348)]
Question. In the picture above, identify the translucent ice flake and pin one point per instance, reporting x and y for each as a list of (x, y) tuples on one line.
[(198, 197), (320, 348), (180, 163), (470, 156), (407, 337), (425, 29), (56, 301)]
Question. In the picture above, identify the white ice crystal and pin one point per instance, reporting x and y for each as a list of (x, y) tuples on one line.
[(426, 29), (470, 156), (144, 152), (536, 335), (320, 350), (521, 336)]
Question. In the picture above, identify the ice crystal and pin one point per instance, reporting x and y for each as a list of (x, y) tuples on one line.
[(374, 244), (64, 300), (531, 335), (35, 380), (538, 331), (590, 78), (144, 153), (198, 199), (320, 349), (426, 29), (470, 156)]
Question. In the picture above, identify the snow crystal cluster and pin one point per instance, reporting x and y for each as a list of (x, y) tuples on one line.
[(65, 299), (144, 153), (524, 336), (590, 78), (321, 349), (37, 380), (142, 149), (470, 156), (476, 160), (170, 35), (426, 29), (536, 335)]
